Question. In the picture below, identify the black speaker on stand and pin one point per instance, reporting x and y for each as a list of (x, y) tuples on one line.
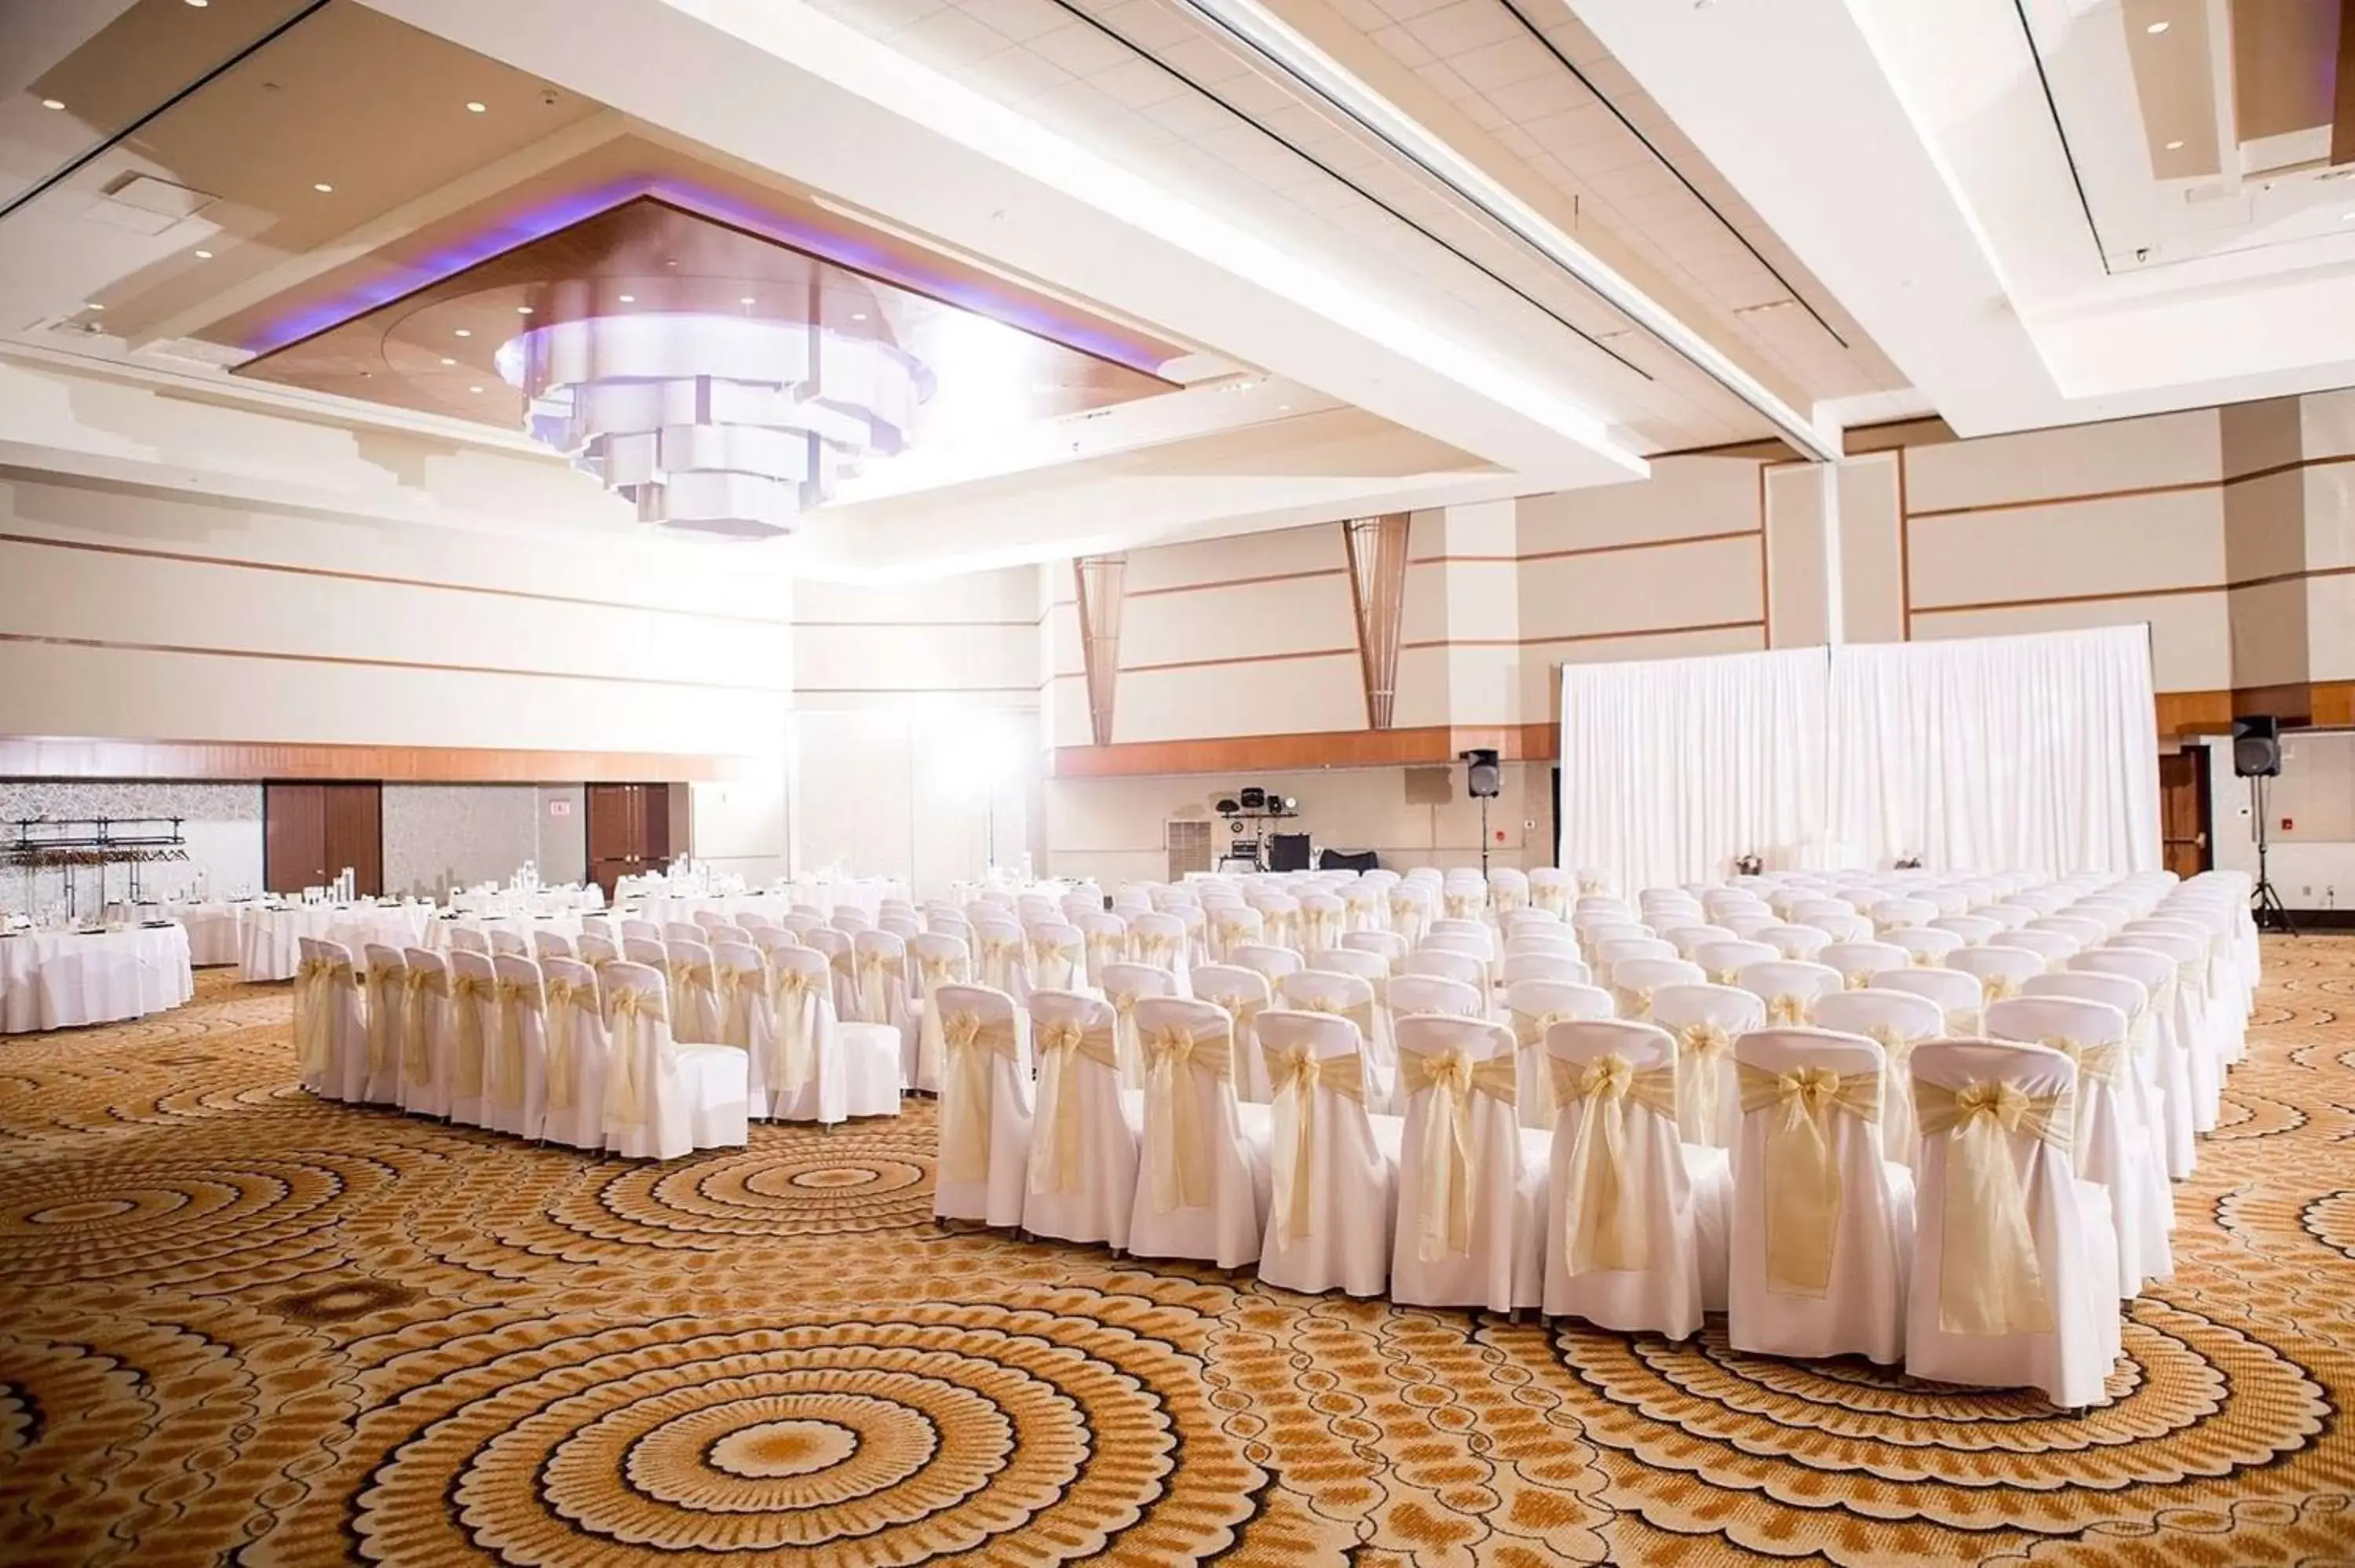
[(1484, 781), (2258, 757)]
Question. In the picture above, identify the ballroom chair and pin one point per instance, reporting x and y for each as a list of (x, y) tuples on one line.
[(1705, 1021), (1471, 1180), (694, 993), (1332, 1188), (1897, 1021), (1789, 988), (2017, 1291), (1726, 960), (1634, 981), (1858, 962), (986, 1116), (573, 1029), (546, 945), (1532, 1007), (1087, 1130), (515, 1064), (388, 998), (474, 1027), (2109, 1143), (1823, 1224), (1926, 945), (1637, 1220), (1242, 995), (426, 1033), (2158, 1052), (1202, 1181)]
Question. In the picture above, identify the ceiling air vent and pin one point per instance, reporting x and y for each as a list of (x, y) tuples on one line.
[(145, 205)]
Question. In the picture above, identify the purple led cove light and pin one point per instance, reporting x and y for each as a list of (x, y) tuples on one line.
[(846, 249)]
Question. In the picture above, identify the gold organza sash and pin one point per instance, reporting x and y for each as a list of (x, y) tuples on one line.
[(932, 1048), (1058, 1045), (1528, 1035), (507, 1073), (1451, 1164), (878, 972), (1124, 1036), (1464, 905), (1990, 1281), (563, 1081), (1295, 1073), (794, 997), (1804, 1190), (1601, 1225), (1159, 951), (1704, 1050), (467, 994), (1281, 926), (965, 1110), (1180, 1159), (1998, 988), (627, 1064), (1105, 947), (1054, 967), (1786, 1010), (1634, 1001), (2104, 1062), (417, 1043), (1361, 1013), (383, 985)]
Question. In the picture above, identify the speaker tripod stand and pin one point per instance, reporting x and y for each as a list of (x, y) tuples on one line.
[(2265, 906)]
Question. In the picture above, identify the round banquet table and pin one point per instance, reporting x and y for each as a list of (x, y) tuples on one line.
[(56, 980), (213, 925), (564, 924), (268, 951)]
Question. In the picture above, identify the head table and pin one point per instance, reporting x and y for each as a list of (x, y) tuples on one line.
[(56, 980)]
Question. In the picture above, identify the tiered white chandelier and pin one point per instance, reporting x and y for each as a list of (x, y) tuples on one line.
[(723, 424)]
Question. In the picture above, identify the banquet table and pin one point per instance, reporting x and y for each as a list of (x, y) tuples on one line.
[(268, 936), (213, 925), (56, 980), (567, 923)]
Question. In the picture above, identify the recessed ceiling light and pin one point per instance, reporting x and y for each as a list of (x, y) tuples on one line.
[(474, 390), (2343, 218), (448, 361), (53, 103), (744, 300), (2157, 28), (465, 331), (523, 310), (92, 305), (204, 255), (322, 186), (1283, 408), (474, 107), (629, 299), (859, 315), (199, 4), (2175, 146)]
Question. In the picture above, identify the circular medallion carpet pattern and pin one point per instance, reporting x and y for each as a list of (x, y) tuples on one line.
[(237, 1324)]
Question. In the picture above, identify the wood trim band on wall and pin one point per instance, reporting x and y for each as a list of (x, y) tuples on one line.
[(1239, 659), (2272, 579), (1575, 551), (908, 625), (2220, 482), (384, 579), (1580, 636), (357, 661), (1436, 743), (81, 757), (1239, 582)]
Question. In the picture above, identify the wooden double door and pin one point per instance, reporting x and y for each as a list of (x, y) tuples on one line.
[(632, 829), (310, 832), (2183, 810)]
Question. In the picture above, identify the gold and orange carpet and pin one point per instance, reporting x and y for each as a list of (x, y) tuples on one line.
[(239, 1325)]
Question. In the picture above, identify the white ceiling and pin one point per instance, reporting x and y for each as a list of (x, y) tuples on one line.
[(1908, 154)]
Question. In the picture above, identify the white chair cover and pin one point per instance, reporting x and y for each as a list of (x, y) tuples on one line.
[(1822, 1225), (575, 1047), (1085, 1138), (1532, 1007), (1242, 995), (985, 1107), (473, 1025), (1636, 1222), (1896, 1021), (515, 1071), (1472, 1182), (1202, 1187), (1333, 1167), (2012, 1271), (388, 996), (1705, 1021)]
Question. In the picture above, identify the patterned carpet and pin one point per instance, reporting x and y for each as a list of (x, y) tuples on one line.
[(239, 1324)]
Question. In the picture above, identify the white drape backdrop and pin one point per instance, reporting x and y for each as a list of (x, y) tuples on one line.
[(2038, 753), (1672, 767), (2035, 753)]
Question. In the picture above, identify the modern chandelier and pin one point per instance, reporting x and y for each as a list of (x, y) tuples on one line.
[(727, 424)]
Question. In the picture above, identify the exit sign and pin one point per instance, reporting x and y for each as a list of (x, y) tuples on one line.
[(560, 808)]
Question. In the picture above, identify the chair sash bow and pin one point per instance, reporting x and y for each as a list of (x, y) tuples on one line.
[(1059, 1044), (628, 1066), (1295, 1073), (1176, 1145), (1603, 1226), (1990, 1281), (1804, 1185), (965, 1110), (1447, 1081)]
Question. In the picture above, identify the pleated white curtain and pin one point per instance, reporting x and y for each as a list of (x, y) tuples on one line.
[(2035, 753), (1671, 767)]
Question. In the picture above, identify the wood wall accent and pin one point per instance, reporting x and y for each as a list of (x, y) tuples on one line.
[(76, 757), (1299, 751)]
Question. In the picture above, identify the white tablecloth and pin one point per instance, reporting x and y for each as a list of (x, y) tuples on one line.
[(268, 951), (212, 927), (567, 925), (543, 901), (55, 980)]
